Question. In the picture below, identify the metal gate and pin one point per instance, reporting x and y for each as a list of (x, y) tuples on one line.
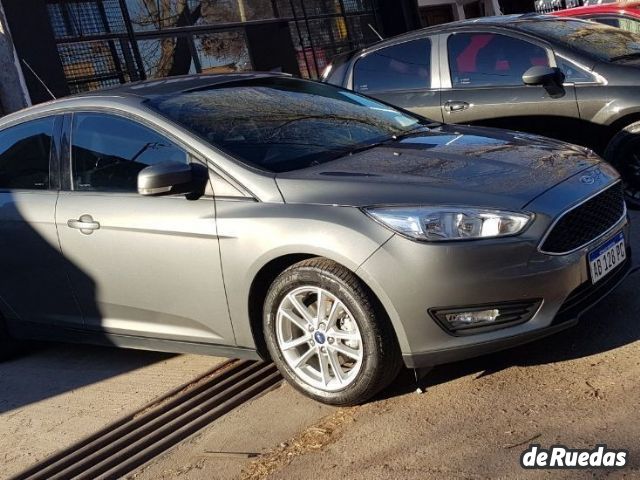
[(108, 42), (95, 43)]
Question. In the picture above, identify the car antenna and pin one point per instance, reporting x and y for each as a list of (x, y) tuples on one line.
[(39, 79), (376, 32)]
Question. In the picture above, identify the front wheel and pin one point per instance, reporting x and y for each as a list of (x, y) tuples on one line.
[(326, 336), (623, 152)]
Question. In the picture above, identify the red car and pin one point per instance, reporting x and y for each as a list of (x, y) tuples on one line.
[(625, 16)]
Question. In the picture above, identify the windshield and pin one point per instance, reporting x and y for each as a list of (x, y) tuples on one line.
[(281, 124), (606, 43)]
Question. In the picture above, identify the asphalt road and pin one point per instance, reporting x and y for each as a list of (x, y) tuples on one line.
[(578, 388)]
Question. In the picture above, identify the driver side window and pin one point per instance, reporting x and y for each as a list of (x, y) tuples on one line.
[(109, 151), (486, 59)]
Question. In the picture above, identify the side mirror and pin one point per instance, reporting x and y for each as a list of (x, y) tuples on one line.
[(540, 75), (165, 178)]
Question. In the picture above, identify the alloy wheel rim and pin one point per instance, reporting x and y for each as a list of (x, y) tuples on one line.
[(319, 338)]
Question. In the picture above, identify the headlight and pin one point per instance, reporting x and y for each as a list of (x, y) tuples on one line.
[(450, 223)]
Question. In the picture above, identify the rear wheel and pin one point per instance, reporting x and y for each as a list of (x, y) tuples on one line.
[(623, 152), (326, 335)]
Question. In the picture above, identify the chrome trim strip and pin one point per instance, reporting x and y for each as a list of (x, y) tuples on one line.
[(603, 234)]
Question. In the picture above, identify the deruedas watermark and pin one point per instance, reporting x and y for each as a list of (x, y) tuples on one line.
[(559, 456)]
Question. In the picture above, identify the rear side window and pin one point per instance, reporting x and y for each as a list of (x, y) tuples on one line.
[(611, 21), (24, 155), (404, 66), (489, 59), (625, 23), (108, 152)]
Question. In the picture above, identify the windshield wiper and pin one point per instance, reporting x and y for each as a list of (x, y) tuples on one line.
[(371, 145), (348, 151), (386, 141), (626, 56), (342, 152), (414, 131)]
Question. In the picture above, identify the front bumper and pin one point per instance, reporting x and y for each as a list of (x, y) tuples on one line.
[(578, 302), (410, 277)]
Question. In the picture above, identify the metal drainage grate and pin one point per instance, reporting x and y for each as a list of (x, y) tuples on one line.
[(134, 440)]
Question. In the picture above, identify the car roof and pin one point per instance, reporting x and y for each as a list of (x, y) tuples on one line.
[(179, 84), (137, 92), (495, 20), (512, 22)]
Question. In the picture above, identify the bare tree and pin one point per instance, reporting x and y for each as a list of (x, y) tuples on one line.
[(172, 55)]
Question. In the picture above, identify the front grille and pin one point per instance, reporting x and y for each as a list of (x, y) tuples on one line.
[(586, 222), (588, 294)]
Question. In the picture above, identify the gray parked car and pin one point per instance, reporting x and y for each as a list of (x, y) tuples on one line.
[(258, 215), (564, 78)]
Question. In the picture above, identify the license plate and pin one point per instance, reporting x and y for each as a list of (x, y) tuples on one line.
[(607, 257)]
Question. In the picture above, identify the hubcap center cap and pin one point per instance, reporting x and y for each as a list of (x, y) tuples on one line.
[(319, 337)]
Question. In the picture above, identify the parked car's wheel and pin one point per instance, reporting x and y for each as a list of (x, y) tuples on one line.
[(623, 152), (326, 335)]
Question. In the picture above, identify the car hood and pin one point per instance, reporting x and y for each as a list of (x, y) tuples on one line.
[(446, 165)]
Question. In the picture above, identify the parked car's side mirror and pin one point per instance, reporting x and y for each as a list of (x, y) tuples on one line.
[(165, 178), (541, 75)]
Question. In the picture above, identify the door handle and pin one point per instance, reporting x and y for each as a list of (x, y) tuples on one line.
[(456, 106), (85, 224)]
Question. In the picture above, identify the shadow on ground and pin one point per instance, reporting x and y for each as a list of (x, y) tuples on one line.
[(45, 370)]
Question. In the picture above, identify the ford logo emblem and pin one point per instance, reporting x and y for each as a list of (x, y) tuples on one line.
[(587, 179)]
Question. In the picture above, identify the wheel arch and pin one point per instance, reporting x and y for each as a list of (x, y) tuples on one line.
[(622, 122), (268, 273)]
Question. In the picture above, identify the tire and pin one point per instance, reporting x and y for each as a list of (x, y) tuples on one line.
[(623, 152), (350, 321)]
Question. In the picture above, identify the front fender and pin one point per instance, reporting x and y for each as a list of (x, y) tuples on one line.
[(252, 234)]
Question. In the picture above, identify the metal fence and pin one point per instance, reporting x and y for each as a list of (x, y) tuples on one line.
[(548, 6), (108, 42), (321, 29), (94, 42)]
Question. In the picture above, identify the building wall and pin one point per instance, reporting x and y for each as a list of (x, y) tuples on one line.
[(33, 41), (459, 8), (13, 91)]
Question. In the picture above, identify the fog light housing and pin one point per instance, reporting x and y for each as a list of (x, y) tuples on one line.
[(483, 318)]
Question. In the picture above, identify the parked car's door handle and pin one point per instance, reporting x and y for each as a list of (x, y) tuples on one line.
[(85, 224), (456, 106)]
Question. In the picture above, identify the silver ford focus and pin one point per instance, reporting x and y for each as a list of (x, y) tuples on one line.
[(258, 215)]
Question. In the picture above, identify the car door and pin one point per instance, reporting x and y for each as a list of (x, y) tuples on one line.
[(482, 84), (402, 75), (151, 265), (33, 285)]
